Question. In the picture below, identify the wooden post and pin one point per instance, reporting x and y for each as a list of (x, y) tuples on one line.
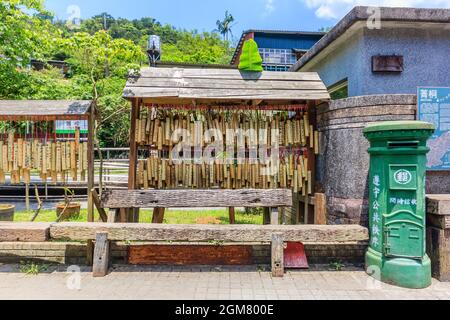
[(266, 215), (27, 196), (123, 215), (311, 151), (320, 209), (113, 215), (97, 203), (90, 156), (306, 210), (91, 181), (90, 252), (101, 255), (232, 215), (274, 216), (277, 255), (296, 208), (135, 108), (158, 215)]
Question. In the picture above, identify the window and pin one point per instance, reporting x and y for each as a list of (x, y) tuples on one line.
[(277, 59)]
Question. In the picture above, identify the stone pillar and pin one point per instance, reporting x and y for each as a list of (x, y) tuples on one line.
[(343, 162)]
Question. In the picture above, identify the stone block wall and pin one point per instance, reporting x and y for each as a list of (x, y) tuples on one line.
[(69, 253)]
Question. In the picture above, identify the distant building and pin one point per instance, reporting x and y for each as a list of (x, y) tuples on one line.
[(279, 49), (41, 65), (409, 48)]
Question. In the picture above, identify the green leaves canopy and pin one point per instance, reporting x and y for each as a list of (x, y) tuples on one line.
[(99, 59)]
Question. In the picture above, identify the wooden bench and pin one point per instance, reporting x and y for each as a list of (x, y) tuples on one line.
[(121, 201), (103, 233)]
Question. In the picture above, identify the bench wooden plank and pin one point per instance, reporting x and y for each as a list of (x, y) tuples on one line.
[(227, 233), (24, 232), (251, 198)]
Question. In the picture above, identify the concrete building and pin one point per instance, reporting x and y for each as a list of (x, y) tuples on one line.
[(279, 49), (372, 62), (410, 47)]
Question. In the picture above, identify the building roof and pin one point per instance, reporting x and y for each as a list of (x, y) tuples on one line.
[(44, 110), (363, 13), (276, 32), (224, 86)]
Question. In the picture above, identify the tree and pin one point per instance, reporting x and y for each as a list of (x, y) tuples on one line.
[(23, 36), (104, 63), (224, 26)]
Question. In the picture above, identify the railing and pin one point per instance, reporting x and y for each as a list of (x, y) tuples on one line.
[(112, 168)]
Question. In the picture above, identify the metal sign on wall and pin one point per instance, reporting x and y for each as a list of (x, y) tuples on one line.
[(434, 107)]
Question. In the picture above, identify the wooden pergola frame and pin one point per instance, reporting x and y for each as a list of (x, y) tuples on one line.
[(52, 110), (211, 88)]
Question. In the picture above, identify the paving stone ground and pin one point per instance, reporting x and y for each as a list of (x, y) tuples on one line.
[(204, 283)]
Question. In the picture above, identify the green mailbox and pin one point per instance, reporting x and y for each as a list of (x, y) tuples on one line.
[(397, 247)]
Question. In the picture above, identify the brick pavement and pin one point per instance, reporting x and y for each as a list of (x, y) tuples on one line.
[(205, 283)]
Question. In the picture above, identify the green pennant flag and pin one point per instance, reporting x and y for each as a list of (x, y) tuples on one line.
[(250, 57)]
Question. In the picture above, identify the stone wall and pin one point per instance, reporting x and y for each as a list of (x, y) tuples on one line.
[(343, 162), (69, 253), (438, 235)]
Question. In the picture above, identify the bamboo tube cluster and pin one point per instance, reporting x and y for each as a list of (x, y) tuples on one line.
[(55, 160), (156, 128), (296, 139), (290, 172)]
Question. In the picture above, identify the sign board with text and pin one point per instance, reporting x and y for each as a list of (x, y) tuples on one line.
[(434, 107)]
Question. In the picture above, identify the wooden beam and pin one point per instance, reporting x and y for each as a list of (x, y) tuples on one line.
[(252, 198), (101, 255), (231, 233), (24, 232), (97, 203), (277, 255)]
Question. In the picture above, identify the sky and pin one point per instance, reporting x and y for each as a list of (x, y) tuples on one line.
[(305, 15)]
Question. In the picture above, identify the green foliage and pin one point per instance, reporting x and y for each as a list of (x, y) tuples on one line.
[(250, 58), (100, 53), (336, 265), (197, 48), (32, 268)]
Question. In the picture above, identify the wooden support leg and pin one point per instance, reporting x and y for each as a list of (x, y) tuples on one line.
[(274, 216), (158, 215), (90, 252), (162, 212), (306, 210), (113, 215), (123, 215), (266, 216), (101, 255), (232, 215), (136, 215), (320, 209), (277, 255)]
